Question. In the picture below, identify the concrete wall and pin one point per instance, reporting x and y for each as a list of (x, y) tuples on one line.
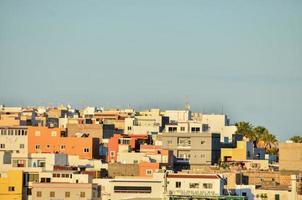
[(290, 156), (117, 169), (60, 189)]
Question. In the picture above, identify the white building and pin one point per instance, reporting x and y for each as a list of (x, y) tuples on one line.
[(14, 139), (133, 187), (178, 115), (145, 123), (194, 185), (216, 123)]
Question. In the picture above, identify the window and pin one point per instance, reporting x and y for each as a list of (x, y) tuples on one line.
[(112, 153), (277, 196), (53, 133), (11, 188), (37, 146), (82, 194), (202, 155), (21, 146), (39, 194), (2, 146), (194, 185), (132, 189), (18, 163), (207, 185), (65, 175), (195, 129), (52, 194), (202, 142), (62, 146), (37, 133), (33, 177), (86, 150), (178, 184), (182, 128), (47, 146), (45, 180), (129, 128), (205, 127), (135, 161), (226, 139), (67, 194), (184, 142), (172, 129), (149, 172), (56, 175)]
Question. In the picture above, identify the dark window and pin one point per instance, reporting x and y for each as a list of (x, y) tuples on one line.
[(195, 129), (132, 189), (52, 194), (205, 128), (277, 196), (11, 188), (39, 194), (82, 194), (177, 184), (172, 129), (67, 194)]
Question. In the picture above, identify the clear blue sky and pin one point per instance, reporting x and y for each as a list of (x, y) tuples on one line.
[(244, 55)]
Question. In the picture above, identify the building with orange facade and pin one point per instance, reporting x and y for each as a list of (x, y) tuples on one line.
[(55, 140)]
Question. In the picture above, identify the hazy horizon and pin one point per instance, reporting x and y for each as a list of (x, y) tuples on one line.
[(244, 56)]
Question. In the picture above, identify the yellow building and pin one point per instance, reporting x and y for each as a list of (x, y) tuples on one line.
[(11, 185), (242, 152)]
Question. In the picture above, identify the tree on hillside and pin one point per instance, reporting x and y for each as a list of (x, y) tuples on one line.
[(296, 139)]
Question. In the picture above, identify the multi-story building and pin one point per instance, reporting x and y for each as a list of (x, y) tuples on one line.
[(216, 123), (178, 115), (54, 140), (146, 123), (72, 191), (190, 186), (133, 187), (11, 185), (194, 148), (125, 142), (243, 151), (14, 139)]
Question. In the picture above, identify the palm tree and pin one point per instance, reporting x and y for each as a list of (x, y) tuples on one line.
[(270, 141), (245, 129), (296, 139), (259, 133)]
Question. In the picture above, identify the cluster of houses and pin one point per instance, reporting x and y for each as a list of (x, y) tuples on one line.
[(66, 153)]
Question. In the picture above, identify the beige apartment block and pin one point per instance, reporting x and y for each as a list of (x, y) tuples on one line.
[(70, 191)]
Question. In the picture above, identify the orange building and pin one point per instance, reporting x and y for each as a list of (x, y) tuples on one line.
[(53, 140), (147, 168)]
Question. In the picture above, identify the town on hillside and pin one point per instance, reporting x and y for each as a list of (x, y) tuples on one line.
[(61, 152)]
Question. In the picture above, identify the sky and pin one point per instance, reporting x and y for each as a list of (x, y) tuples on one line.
[(242, 58)]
